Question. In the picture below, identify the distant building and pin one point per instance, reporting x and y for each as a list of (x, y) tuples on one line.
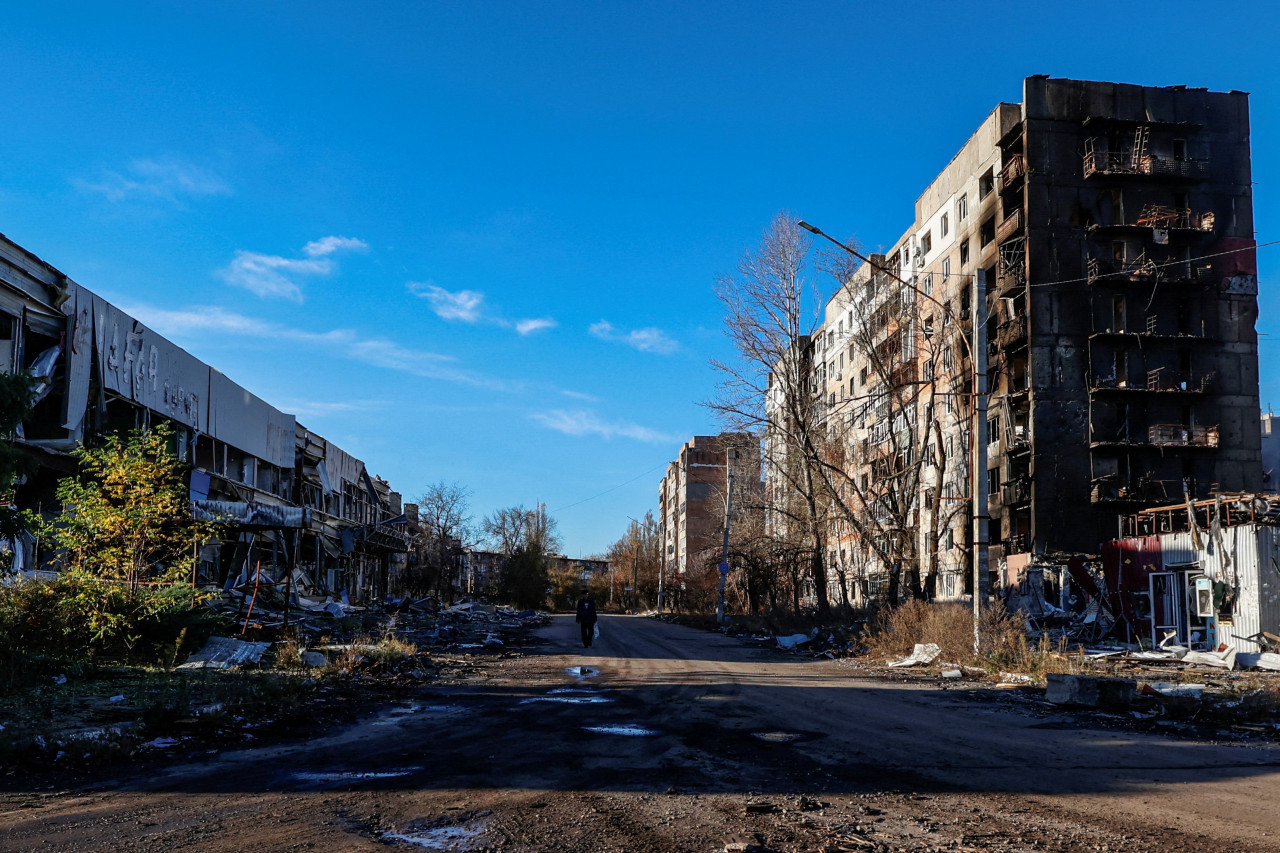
[(692, 496), (1270, 454)]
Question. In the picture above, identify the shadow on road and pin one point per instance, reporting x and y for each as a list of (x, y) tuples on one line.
[(633, 714)]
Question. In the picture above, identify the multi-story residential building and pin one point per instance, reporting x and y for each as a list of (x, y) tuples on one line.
[(1111, 226), (300, 508), (691, 502)]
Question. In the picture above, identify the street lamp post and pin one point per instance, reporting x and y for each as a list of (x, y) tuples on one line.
[(977, 425)]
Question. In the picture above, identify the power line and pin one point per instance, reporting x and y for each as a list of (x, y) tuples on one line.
[(613, 489)]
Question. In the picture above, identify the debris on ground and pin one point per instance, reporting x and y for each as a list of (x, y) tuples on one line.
[(922, 654)]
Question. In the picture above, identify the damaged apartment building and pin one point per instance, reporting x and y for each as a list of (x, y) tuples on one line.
[(713, 477), (301, 510), (1110, 228)]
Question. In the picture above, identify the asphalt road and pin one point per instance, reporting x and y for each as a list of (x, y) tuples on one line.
[(662, 738)]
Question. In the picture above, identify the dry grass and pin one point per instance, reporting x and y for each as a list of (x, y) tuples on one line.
[(289, 654), (1004, 645)]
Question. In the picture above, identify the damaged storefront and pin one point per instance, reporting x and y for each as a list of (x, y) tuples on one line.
[(1205, 575), (304, 517)]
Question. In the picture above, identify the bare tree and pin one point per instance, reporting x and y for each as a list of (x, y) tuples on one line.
[(638, 557), (771, 312), (444, 513), (512, 529)]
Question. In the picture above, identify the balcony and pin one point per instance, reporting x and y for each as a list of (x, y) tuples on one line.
[(1124, 163), (1018, 543), (1010, 226), (1011, 332), (1171, 218), (1144, 489), (1180, 435), (1016, 491), (1013, 172)]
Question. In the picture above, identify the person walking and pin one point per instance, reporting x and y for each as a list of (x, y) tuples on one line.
[(587, 618)]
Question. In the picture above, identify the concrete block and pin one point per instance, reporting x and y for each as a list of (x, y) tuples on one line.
[(1090, 691)]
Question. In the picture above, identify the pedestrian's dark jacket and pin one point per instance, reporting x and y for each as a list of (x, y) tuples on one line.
[(586, 611)]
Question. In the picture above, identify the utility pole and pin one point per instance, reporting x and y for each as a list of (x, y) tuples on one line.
[(724, 554)]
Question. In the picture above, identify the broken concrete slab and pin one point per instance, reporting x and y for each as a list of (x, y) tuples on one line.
[(793, 641), (315, 659), (1090, 691), (226, 653), (923, 653)]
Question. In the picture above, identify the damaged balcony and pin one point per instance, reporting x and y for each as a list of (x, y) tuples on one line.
[(1010, 226), (1162, 220), (1181, 435), (1157, 381), (1013, 173), (1099, 162), (1144, 489)]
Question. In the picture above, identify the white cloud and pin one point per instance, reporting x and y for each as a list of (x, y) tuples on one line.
[(329, 245), (528, 327), (578, 395), (646, 340), (169, 179), (345, 343), (276, 277), (464, 305), (467, 306), (581, 422)]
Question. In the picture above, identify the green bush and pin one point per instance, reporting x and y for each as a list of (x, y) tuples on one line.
[(81, 616)]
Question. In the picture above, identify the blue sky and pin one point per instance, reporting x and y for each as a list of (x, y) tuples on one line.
[(475, 242)]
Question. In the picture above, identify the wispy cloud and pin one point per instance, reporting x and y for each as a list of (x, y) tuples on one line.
[(537, 324), (321, 408), (276, 277), (467, 306), (578, 395), (646, 340), (169, 179), (589, 423), (345, 343), (463, 306)]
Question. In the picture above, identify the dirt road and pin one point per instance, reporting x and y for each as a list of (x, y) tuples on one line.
[(666, 738)]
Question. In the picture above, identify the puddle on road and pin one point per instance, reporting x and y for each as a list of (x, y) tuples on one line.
[(777, 737), (569, 700), (353, 775), (583, 671), (455, 837), (625, 731), (559, 690)]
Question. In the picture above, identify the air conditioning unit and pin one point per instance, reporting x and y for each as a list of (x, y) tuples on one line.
[(1204, 597)]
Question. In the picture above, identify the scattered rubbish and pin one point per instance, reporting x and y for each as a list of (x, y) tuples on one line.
[(1263, 660), (226, 653), (1015, 678), (583, 671), (1221, 660), (924, 653), (625, 731), (1155, 688), (952, 673), (161, 743), (117, 698), (60, 679), (493, 640), (793, 641)]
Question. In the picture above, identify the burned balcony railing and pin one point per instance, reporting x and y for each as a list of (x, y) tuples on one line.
[(1012, 172), (1169, 218), (1124, 162), (1181, 435), (1137, 269), (1010, 225)]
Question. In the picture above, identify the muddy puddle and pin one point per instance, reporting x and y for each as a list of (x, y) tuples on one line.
[(623, 730)]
